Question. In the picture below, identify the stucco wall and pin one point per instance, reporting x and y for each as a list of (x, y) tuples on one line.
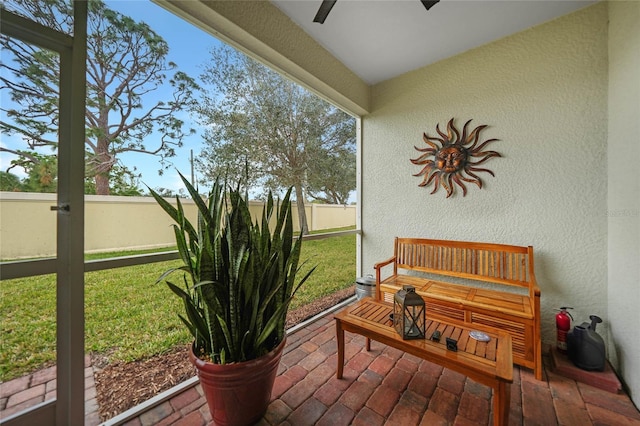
[(624, 192), (543, 92)]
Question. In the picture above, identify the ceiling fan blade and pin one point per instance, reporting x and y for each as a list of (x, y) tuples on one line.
[(324, 10), (428, 4)]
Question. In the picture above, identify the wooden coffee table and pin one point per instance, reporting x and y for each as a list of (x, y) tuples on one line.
[(489, 363)]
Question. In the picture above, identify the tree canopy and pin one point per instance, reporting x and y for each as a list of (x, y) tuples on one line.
[(266, 131), (42, 176), (10, 182), (126, 62)]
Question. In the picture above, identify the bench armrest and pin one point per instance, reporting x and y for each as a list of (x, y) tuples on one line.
[(378, 266), (534, 290)]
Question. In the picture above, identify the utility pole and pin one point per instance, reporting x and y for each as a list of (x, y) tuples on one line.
[(192, 175)]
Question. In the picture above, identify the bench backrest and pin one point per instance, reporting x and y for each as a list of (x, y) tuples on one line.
[(496, 263)]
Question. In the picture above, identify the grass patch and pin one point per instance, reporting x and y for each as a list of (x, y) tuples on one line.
[(128, 316)]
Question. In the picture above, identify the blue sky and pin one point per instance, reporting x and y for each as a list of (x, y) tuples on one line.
[(188, 47)]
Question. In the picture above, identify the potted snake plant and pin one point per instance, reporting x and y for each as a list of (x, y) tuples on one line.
[(236, 281)]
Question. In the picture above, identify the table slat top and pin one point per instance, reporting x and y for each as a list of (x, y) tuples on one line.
[(479, 355)]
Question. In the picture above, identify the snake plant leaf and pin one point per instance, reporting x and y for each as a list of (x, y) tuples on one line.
[(214, 303), (302, 281), (184, 224), (270, 203), (168, 272), (265, 237), (183, 250), (172, 211), (287, 235), (194, 315), (281, 212), (231, 346), (206, 266), (252, 322), (247, 346), (190, 327), (195, 196), (272, 323)]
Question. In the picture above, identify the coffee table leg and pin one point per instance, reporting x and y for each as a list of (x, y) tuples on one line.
[(501, 403), (340, 339)]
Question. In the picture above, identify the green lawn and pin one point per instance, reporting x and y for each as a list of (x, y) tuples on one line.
[(127, 316)]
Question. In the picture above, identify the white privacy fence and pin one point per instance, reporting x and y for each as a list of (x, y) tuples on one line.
[(28, 225)]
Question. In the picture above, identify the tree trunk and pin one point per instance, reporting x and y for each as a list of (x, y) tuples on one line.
[(102, 184), (302, 213), (102, 162)]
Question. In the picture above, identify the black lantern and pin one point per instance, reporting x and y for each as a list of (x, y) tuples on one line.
[(408, 313)]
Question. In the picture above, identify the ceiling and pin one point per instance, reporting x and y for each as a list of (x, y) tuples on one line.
[(381, 39)]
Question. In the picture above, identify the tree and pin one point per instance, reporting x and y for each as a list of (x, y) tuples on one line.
[(42, 173), (42, 176), (170, 193), (333, 176), (126, 62), (122, 181), (265, 130), (10, 182)]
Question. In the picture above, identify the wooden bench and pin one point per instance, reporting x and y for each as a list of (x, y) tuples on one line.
[(496, 287), (489, 363)]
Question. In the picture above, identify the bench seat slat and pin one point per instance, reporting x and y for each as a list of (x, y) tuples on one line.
[(510, 303)]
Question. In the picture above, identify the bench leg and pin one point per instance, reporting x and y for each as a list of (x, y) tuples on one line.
[(340, 339), (501, 404), (538, 362), (368, 344)]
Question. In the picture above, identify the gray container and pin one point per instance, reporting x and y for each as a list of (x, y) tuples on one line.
[(365, 287)]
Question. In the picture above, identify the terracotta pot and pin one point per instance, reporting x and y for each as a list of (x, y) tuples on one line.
[(238, 394)]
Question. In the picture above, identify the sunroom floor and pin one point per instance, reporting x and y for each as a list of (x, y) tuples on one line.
[(386, 386)]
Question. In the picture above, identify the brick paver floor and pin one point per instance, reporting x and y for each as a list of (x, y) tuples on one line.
[(27, 391), (384, 386)]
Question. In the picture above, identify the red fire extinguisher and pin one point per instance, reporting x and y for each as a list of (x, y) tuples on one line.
[(563, 325)]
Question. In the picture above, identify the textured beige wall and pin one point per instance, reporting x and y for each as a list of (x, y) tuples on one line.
[(27, 231), (27, 225), (543, 92), (624, 191), (325, 216), (114, 223)]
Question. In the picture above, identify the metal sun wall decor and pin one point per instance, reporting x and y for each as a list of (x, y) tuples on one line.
[(449, 156)]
